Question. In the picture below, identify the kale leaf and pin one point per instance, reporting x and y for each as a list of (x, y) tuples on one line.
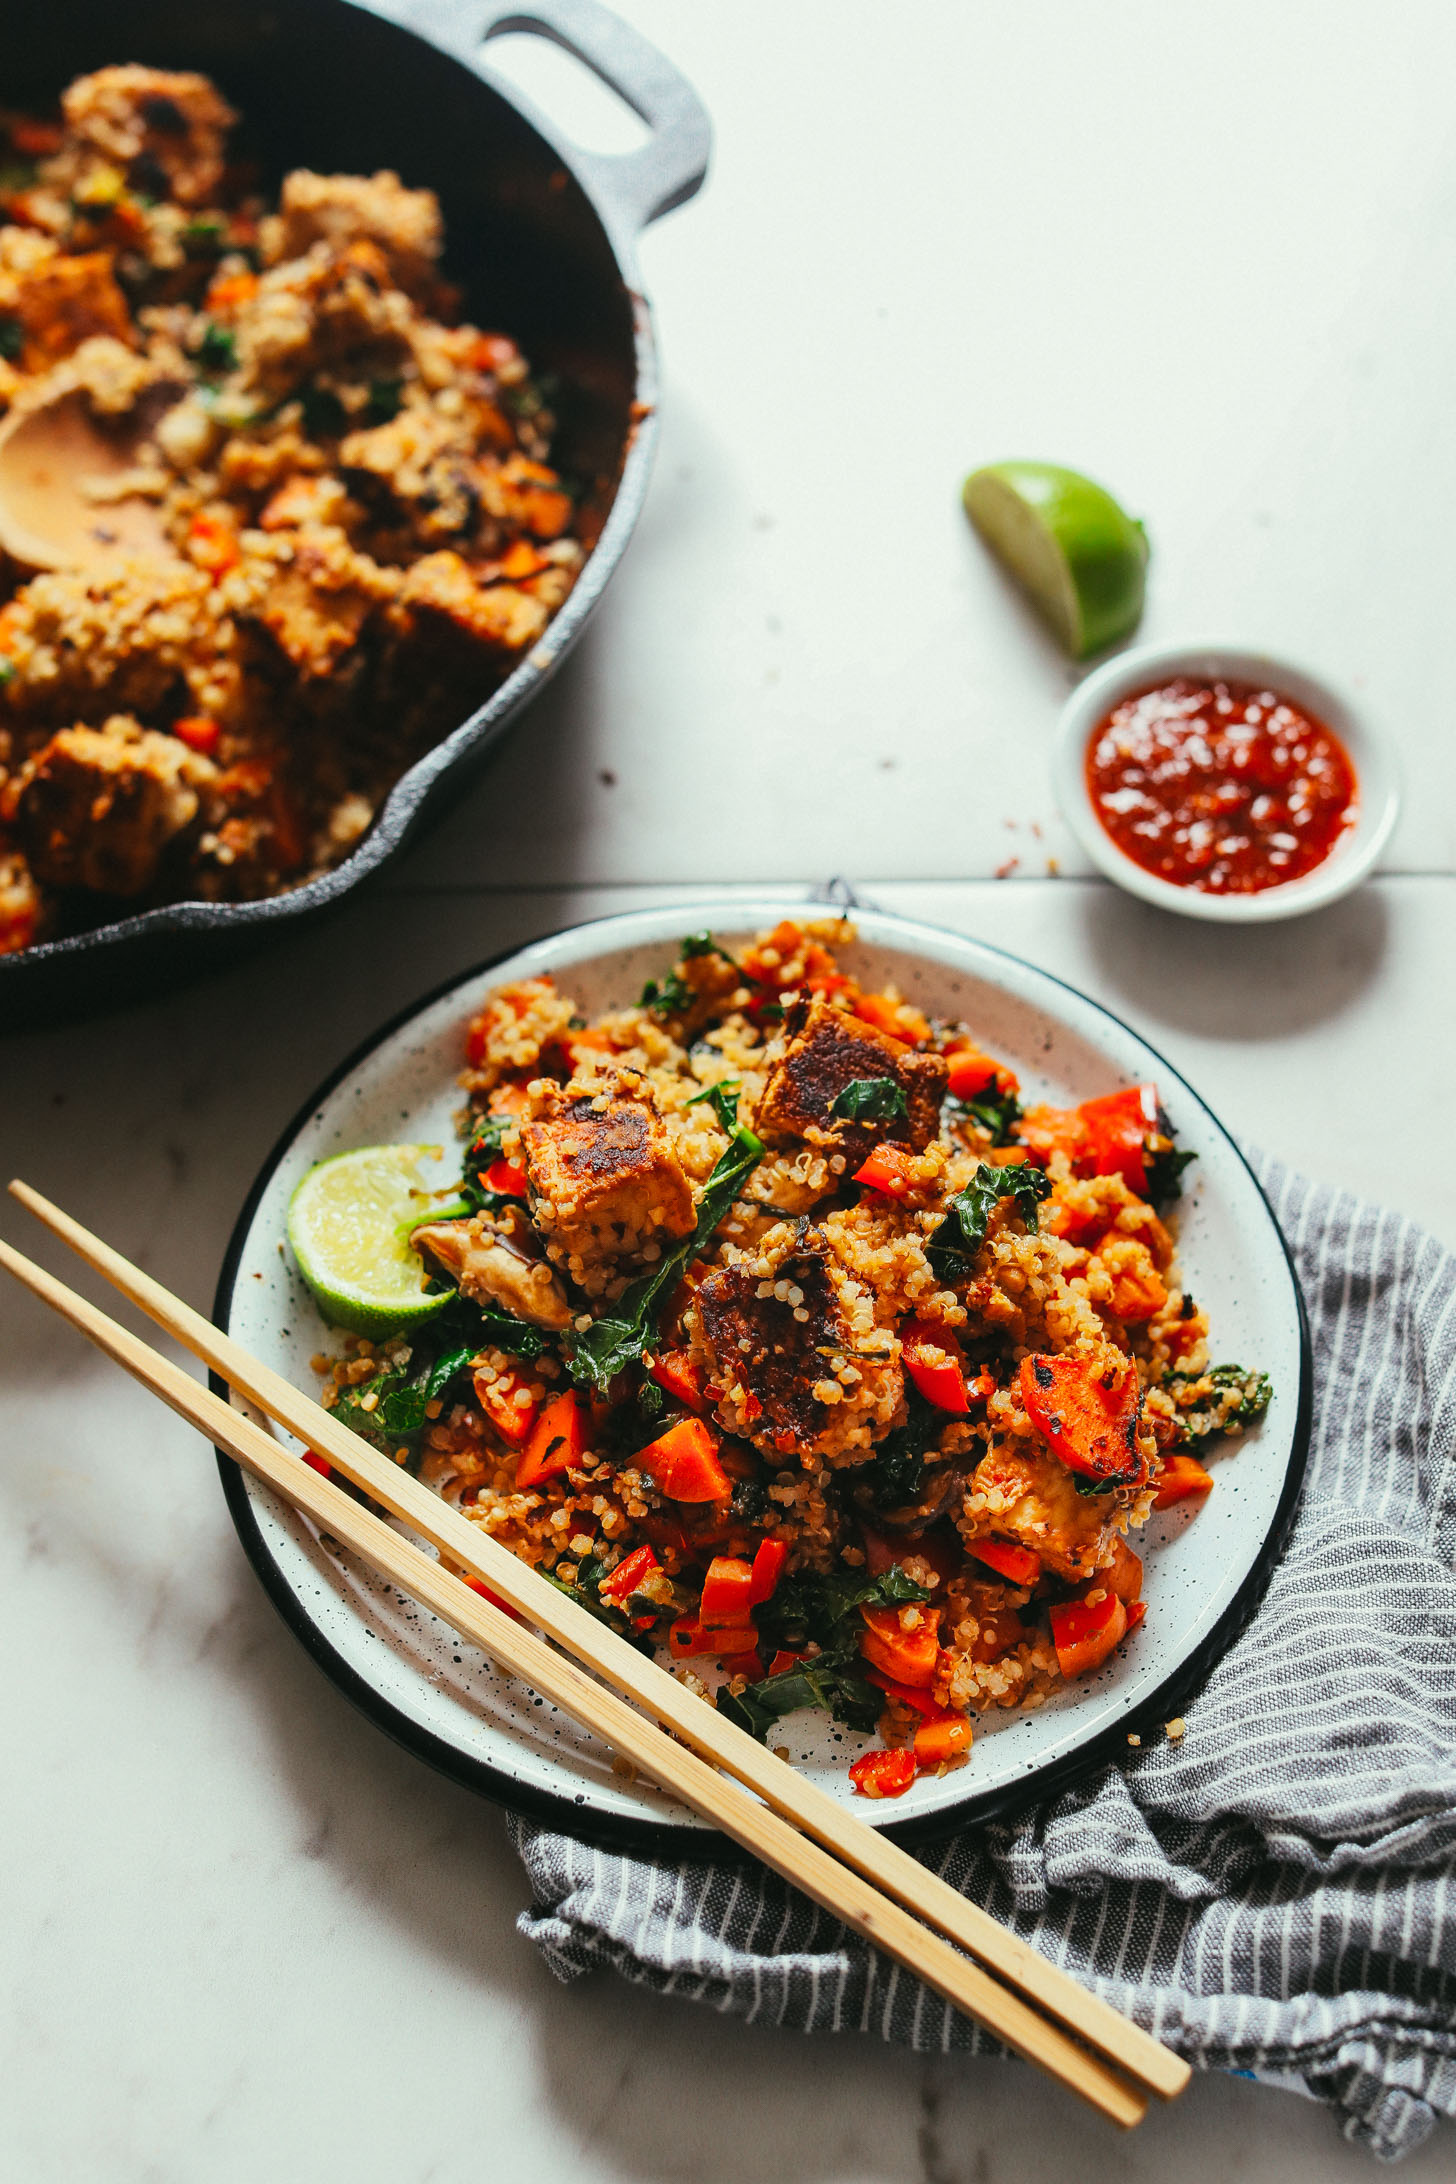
[(596, 1354), (401, 1397), (895, 1475), (722, 1097), (701, 944), (870, 1099), (1253, 1393), (993, 1110), (820, 1606), (667, 996), (968, 1214), (12, 338), (217, 352)]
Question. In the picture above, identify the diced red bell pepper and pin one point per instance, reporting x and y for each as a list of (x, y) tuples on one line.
[(1183, 1477), (684, 1463), (743, 1664), (1136, 1610), (478, 1584), (885, 1170), (783, 1659), (513, 1421), (909, 1656), (630, 1575), (557, 1443), (907, 1694), (1118, 1126), (212, 544), (727, 1591), (1018, 1564), (1092, 1426), (676, 1372), (768, 1568), (880, 1554), (1084, 1632), (504, 1176), (317, 1463), (933, 1359), (883, 1774), (198, 731), (688, 1636), (943, 1736)]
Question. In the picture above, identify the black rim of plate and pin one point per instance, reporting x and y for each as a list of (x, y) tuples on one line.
[(573, 1815)]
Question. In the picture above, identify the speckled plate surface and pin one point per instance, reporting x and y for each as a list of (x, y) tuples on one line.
[(443, 1699)]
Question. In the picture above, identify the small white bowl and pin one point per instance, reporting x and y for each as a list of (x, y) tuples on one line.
[(1143, 668)]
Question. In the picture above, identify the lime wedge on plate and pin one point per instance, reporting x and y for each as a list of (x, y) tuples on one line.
[(1077, 554), (348, 1223)]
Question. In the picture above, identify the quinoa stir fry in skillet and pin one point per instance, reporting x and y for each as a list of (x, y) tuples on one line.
[(363, 532), (786, 1340)]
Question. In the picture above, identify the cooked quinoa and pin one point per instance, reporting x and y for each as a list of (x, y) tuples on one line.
[(364, 532), (787, 1341)]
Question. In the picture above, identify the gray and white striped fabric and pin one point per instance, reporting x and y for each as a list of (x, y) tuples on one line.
[(1274, 1894)]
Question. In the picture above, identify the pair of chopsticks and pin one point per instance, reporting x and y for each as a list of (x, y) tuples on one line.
[(788, 1823)]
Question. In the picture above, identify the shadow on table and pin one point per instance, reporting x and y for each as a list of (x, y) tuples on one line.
[(1232, 981)]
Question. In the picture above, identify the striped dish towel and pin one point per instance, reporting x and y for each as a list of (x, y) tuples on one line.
[(1280, 1906)]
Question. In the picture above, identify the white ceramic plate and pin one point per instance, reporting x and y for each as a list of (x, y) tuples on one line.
[(442, 1698)]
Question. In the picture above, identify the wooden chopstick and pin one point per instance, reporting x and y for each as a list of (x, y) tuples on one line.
[(1095, 2023), (765, 1833)]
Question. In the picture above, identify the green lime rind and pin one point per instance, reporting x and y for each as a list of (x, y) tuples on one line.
[(349, 1223), (1080, 558)]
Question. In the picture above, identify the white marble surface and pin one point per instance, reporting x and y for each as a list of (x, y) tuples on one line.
[(1205, 253)]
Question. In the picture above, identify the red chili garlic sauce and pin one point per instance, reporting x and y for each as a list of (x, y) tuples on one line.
[(1222, 786)]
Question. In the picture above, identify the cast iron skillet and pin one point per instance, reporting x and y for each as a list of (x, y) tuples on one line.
[(541, 234)]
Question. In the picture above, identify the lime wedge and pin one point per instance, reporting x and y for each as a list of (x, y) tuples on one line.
[(348, 1223), (1077, 555)]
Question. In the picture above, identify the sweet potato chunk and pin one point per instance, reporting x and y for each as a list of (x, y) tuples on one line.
[(825, 1052), (63, 302), (99, 806)]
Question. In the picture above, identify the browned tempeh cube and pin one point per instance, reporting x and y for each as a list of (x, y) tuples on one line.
[(825, 1052)]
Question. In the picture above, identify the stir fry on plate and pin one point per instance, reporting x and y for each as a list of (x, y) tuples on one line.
[(767, 1321)]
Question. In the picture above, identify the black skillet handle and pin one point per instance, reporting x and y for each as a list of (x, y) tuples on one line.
[(630, 188)]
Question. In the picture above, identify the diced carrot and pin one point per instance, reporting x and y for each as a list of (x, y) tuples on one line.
[(1117, 1127), (944, 1737), (874, 1008), (684, 1463), (513, 1420), (933, 1359), (883, 1774), (885, 1170), (969, 1073), (727, 1591), (909, 1656), (1089, 1415), (676, 1372), (213, 545), (768, 1568), (1084, 1632), (557, 1443), (1007, 1559), (1136, 1610), (907, 1694), (198, 732), (1183, 1477), (522, 560), (727, 1640), (508, 1099), (231, 291)]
